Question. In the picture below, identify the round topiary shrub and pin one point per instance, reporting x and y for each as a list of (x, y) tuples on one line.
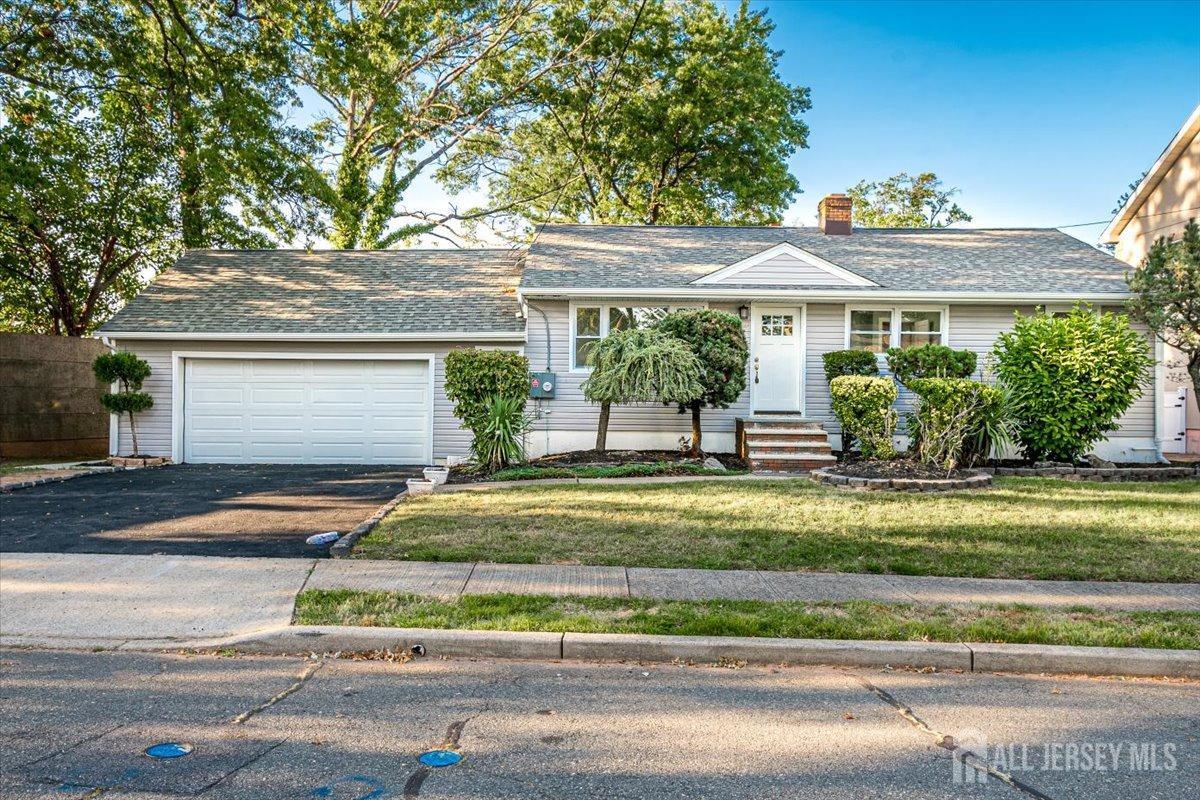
[(849, 362)]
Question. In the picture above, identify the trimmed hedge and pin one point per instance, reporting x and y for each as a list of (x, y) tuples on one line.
[(930, 361), (473, 377), (849, 362), (863, 406)]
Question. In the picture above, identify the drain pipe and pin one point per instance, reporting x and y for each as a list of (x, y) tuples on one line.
[(542, 413)]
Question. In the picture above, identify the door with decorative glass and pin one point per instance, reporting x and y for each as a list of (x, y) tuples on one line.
[(776, 361)]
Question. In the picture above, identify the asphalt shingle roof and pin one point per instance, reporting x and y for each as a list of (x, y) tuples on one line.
[(946, 260), (329, 291)]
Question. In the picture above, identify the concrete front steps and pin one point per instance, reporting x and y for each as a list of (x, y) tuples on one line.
[(784, 443)]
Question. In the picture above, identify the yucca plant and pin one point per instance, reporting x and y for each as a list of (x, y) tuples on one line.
[(499, 439)]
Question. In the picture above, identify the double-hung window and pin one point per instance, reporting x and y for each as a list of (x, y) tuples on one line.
[(877, 329), (591, 323)]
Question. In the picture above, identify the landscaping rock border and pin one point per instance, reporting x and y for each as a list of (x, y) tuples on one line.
[(343, 546), (828, 477), (1115, 474), (12, 487)]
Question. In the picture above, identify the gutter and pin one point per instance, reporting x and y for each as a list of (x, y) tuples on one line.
[(424, 336), (829, 295)]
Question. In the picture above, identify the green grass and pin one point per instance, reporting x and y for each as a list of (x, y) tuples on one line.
[(10, 465), (1022, 528), (855, 619), (615, 471)]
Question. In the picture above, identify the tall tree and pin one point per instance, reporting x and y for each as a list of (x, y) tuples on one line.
[(905, 201), (1166, 286), (673, 113)]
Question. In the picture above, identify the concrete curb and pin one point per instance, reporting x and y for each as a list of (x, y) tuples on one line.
[(342, 547), (12, 487), (624, 647)]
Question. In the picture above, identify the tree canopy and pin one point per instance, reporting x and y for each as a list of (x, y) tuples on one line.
[(906, 201)]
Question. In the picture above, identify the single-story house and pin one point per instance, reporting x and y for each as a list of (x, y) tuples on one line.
[(337, 356)]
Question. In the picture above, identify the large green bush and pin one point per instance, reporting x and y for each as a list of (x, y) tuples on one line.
[(929, 361), (849, 362), (957, 421), (863, 406), (474, 377), (128, 372), (719, 342), (640, 366), (1071, 378)]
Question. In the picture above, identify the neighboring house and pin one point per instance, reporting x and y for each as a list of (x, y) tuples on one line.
[(1161, 205), (338, 356)]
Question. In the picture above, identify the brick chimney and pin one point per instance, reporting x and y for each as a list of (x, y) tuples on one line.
[(833, 214)]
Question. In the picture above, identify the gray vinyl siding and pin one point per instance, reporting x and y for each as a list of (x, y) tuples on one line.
[(154, 426), (785, 270), (825, 332)]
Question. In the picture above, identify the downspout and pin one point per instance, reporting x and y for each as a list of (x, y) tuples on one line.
[(542, 413), (1160, 370)]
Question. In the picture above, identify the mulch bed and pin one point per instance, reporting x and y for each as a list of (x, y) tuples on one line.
[(894, 468), (607, 458)]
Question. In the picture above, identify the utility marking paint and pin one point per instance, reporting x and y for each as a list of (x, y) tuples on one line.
[(168, 750), (439, 758)]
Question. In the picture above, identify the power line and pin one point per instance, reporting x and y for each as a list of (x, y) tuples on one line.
[(1106, 221)]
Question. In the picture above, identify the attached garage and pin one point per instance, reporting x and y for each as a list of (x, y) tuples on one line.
[(285, 409)]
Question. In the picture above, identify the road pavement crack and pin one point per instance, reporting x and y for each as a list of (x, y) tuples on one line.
[(412, 787), (295, 686), (947, 742)]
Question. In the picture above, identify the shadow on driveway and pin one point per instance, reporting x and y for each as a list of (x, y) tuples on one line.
[(193, 509)]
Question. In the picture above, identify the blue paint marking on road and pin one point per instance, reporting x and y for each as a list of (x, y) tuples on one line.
[(439, 758), (168, 750), (374, 787)]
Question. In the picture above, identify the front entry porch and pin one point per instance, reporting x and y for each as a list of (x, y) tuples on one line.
[(783, 443)]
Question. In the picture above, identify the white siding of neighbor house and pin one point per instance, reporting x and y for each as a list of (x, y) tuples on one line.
[(154, 426), (786, 269)]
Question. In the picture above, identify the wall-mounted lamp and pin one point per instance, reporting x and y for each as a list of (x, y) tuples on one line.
[(744, 312)]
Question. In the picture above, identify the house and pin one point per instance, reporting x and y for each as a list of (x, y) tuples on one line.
[(1160, 205), (293, 356)]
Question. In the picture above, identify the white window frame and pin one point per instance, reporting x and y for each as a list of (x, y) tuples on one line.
[(896, 312), (604, 307)]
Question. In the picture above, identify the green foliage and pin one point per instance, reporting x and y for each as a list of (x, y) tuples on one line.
[(863, 406), (849, 362), (1070, 378), (127, 402), (929, 361), (1167, 295), (531, 472), (904, 201), (474, 377), (642, 366), (667, 113), (129, 372), (719, 343), (957, 421), (499, 439)]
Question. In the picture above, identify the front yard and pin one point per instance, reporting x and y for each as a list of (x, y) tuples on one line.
[(1022, 528)]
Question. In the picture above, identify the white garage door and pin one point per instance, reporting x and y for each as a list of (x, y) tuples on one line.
[(293, 411)]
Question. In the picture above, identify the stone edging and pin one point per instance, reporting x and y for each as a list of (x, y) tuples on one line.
[(342, 547), (1072, 473), (830, 478), (12, 487)]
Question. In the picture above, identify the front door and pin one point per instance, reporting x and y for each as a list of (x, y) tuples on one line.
[(776, 361)]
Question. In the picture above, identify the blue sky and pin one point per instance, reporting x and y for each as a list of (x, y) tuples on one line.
[(1040, 112)]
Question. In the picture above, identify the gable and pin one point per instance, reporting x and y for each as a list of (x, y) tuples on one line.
[(784, 265)]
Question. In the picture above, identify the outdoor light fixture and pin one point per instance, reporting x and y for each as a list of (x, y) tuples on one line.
[(744, 312)]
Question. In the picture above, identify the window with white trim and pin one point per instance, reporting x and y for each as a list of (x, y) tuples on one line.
[(877, 329), (591, 323)]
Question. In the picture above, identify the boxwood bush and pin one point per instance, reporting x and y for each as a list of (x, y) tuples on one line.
[(474, 377), (849, 362), (1071, 378), (930, 361), (863, 406)]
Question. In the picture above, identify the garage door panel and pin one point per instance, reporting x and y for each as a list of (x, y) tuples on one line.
[(307, 411)]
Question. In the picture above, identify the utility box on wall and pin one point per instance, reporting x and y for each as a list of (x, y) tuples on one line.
[(541, 385)]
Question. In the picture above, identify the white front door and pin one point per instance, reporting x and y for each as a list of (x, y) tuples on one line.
[(1175, 421), (776, 366)]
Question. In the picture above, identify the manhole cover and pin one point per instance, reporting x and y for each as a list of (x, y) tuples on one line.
[(168, 750), (439, 758)]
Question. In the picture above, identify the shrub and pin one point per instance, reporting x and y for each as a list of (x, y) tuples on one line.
[(718, 341), (1071, 377), (929, 361), (957, 421), (473, 377), (849, 362), (129, 372), (863, 406), (499, 439), (640, 366)]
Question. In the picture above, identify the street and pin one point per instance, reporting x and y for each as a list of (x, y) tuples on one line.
[(75, 725)]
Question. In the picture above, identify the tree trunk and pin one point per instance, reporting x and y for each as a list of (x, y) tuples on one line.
[(133, 435), (602, 427), (696, 434)]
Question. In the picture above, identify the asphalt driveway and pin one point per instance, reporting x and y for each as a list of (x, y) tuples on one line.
[(209, 510)]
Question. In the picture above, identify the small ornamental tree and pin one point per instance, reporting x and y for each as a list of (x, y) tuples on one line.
[(128, 372), (718, 341), (1167, 296), (641, 366), (1070, 378)]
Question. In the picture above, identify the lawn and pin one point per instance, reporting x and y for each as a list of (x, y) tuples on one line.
[(855, 619), (1022, 528)]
